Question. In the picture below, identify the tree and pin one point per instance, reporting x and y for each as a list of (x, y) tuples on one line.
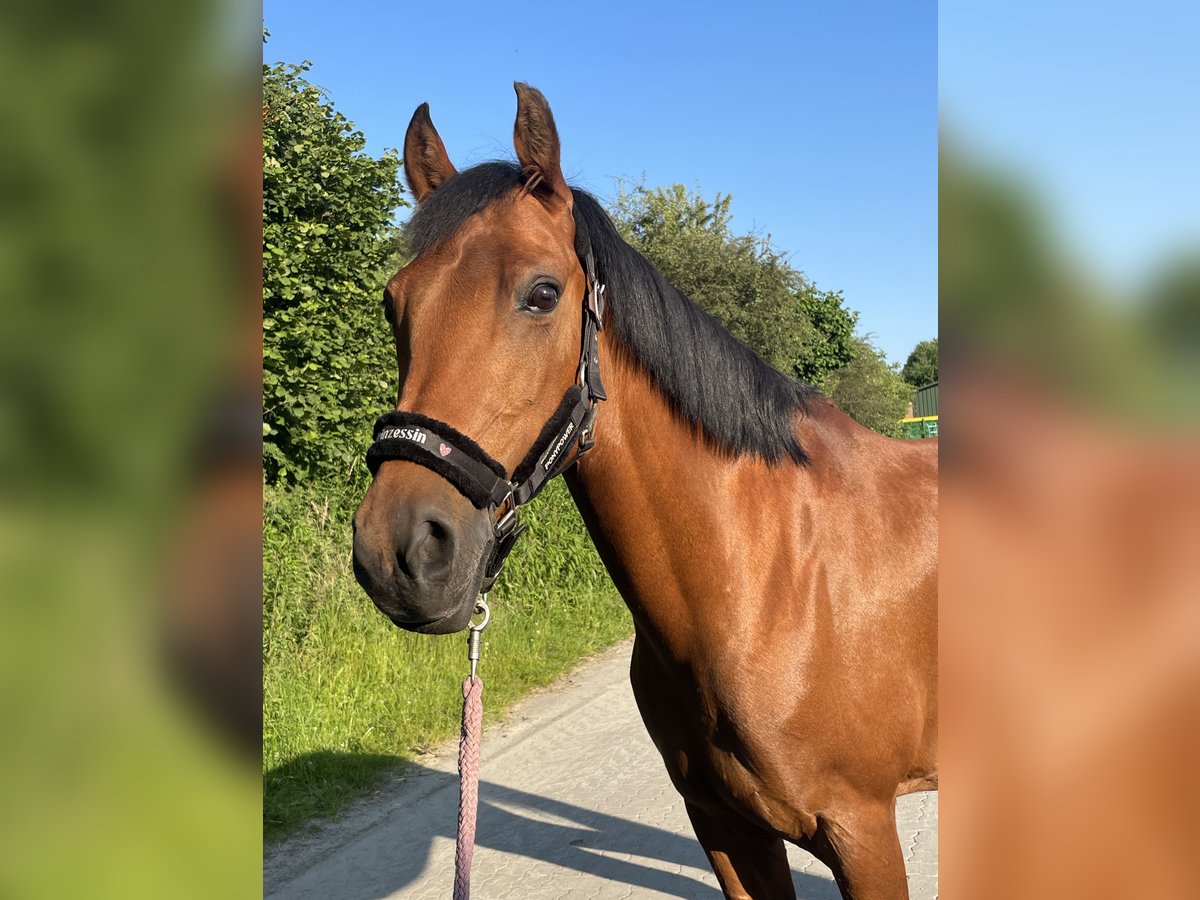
[(870, 390), (743, 281), (921, 367), (834, 345), (328, 362)]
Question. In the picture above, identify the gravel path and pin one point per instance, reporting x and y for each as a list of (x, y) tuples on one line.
[(574, 803)]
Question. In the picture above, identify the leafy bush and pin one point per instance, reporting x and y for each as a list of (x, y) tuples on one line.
[(742, 280), (328, 363), (870, 390)]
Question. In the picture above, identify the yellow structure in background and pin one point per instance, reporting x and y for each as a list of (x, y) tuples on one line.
[(920, 426), (922, 421)]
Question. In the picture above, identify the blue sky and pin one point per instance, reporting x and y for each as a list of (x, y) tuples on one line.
[(1096, 105), (821, 122)]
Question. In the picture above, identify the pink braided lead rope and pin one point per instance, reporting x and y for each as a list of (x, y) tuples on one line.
[(468, 758), (468, 784)]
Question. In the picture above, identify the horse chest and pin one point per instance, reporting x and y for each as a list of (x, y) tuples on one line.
[(711, 751)]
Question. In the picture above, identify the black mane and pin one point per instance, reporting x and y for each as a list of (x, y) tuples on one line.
[(712, 380)]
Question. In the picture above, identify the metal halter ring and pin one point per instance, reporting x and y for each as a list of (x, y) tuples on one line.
[(481, 606)]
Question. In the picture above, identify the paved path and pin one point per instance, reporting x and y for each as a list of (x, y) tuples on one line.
[(574, 803)]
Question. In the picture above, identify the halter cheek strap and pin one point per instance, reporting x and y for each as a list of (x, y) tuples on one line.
[(412, 437)]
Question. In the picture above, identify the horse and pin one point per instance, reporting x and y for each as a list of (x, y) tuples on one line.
[(779, 560)]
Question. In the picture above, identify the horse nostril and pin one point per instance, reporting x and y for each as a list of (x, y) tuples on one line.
[(428, 549), (403, 553)]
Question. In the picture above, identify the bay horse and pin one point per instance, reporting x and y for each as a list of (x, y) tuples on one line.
[(779, 560)]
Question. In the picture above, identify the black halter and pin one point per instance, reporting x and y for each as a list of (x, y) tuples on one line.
[(480, 478)]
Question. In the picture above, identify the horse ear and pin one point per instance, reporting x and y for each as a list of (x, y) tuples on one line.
[(536, 140), (426, 164)]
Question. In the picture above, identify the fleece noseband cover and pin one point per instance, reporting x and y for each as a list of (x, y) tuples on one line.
[(435, 445)]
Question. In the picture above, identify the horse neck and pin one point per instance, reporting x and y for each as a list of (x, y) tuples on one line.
[(667, 511)]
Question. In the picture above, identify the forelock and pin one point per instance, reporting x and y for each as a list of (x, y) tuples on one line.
[(445, 211)]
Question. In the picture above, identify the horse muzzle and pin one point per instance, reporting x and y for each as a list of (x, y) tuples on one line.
[(421, 557)]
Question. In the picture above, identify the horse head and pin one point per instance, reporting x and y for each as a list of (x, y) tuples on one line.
[(486, 320)]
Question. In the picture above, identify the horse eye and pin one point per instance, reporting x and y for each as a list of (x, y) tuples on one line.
[(543, 297)]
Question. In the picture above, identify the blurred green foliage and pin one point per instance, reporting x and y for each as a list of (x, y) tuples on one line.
[(328, 249), (128, 256), (1011, 292), (1172, 302), (115, 154)]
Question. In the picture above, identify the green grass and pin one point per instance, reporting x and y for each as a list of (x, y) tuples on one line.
[(347, 696)]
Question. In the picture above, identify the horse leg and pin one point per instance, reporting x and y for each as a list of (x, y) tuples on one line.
[(863, 850), (749, 864)]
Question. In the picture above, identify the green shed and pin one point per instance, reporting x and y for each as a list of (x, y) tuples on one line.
[(923, 422), (926, 403)]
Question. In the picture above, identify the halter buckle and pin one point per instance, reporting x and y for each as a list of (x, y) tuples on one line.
[(596, 305), (587, 435), (507, 522)]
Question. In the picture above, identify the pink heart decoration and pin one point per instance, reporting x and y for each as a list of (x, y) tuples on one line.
[(443, 449)]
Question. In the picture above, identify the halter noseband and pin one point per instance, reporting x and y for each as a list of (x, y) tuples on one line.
[(481, 479)]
